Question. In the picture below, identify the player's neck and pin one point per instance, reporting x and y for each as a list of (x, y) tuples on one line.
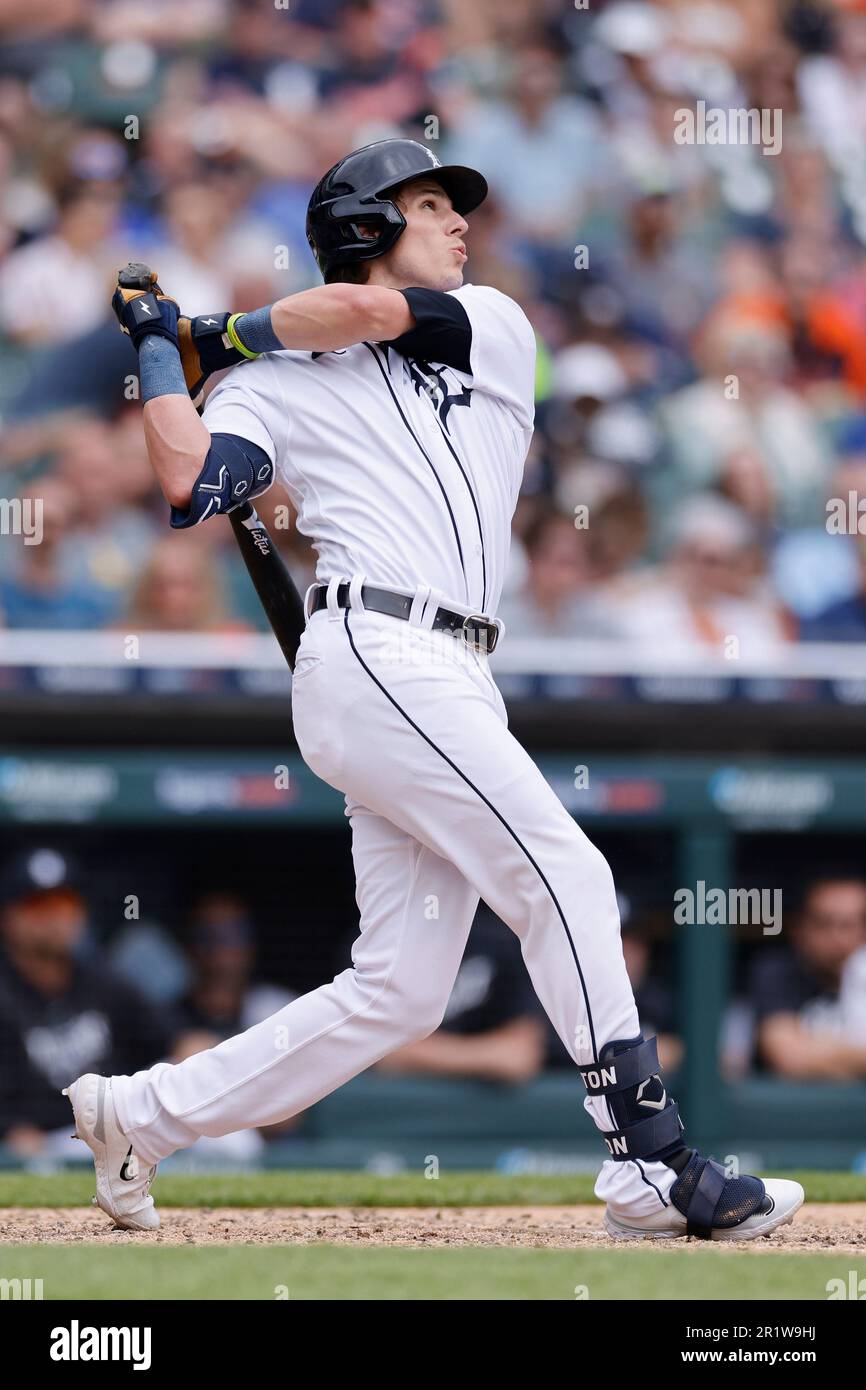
[(394, 282)]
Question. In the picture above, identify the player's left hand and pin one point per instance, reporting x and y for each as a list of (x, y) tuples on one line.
[(141, 307)]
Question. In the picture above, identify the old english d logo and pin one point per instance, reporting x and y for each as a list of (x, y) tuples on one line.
[(436, 387)]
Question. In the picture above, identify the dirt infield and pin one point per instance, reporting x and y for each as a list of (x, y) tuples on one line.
[(837, 1227)]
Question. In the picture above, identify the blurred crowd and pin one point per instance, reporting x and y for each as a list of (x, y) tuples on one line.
[(700, 308), (73, 1000)]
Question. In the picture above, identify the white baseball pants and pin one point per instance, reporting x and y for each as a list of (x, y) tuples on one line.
[(445, 806)]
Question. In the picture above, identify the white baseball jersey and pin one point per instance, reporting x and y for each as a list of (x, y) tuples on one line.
[(402, 468)]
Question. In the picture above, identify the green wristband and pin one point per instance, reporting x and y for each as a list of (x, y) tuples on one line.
[(235, 340)]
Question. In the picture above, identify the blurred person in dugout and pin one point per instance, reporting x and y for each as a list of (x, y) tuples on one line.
[(653, 993), (224, 998), (493, 1028), (709, 593), (809, 997), (61, 1008)]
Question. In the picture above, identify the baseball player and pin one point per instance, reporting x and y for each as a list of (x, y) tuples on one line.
[(396, 406)]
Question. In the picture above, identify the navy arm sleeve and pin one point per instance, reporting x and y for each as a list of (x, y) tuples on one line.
[(442, 331)]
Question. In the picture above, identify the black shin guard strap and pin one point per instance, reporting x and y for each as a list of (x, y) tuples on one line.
[(645, 1138), (622, 1070)]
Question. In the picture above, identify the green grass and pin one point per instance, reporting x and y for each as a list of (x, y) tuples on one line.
[(341, 1272), (314, 1188)]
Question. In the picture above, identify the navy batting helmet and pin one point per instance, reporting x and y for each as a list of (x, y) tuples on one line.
[(351, 216)]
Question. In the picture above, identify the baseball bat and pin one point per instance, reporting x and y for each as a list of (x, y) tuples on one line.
[(277, 591)]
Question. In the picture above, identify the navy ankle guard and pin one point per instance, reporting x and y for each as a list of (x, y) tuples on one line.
[(627, 1075)]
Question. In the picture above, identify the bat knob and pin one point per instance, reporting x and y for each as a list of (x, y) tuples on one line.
[(136, 276)]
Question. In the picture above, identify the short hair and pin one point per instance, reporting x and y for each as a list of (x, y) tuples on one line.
[(826, 879), (358, 273), (547, 516)]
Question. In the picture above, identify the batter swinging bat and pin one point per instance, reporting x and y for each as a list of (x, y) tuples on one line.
[(278, 594)]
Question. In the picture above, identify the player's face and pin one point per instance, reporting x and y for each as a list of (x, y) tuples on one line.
[(46, 924), (431, 252), (833, 925)]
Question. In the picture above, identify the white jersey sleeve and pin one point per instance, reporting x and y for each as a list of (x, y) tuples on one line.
[(502, 349), (249, 402)]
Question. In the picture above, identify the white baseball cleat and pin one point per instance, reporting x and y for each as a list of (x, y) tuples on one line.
[(122, 1183), (783, 1199)]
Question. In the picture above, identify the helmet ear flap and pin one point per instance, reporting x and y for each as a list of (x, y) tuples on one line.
[(365, 230), (383, 225)]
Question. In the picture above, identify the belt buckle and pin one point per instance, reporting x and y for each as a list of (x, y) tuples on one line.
[(491, 636)]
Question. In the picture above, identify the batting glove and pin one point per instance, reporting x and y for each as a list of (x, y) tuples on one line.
[(141, 307), (208, 344)]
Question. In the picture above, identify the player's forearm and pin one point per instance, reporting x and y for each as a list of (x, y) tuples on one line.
[(177, 443), (803, 1056), (441, 1054), (337, 316), (513, 1052), (834, 1059), (320, 320)]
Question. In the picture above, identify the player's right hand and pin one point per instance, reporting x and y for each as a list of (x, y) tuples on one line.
[(140, 306)]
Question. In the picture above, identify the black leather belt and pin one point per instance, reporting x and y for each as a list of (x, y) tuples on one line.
[(477, 629)]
